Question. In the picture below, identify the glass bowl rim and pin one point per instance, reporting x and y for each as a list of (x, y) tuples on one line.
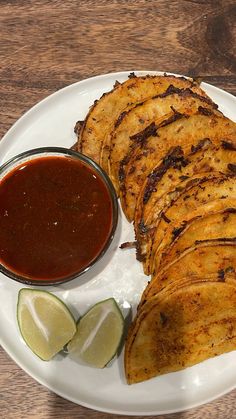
[(16, 160)]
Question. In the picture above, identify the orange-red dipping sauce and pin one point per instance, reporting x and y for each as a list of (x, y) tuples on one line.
[(55, 218)]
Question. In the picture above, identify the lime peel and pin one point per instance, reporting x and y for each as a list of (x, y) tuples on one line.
[(99, 334), (45, 322)]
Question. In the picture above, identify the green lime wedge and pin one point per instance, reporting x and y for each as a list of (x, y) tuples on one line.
[(45, 322), (99, 333)]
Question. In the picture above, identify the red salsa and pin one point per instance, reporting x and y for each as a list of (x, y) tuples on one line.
[(55, 218)]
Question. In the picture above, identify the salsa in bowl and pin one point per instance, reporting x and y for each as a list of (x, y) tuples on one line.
[(58, 215)]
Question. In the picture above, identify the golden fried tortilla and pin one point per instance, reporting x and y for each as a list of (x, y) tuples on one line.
[(186, 131), (183, 235), (103, 114), (211, 258), (143, 114), (208, 196), (176, 330), (173, 174)]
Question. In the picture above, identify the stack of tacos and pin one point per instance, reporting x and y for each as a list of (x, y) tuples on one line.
[(171, 155)]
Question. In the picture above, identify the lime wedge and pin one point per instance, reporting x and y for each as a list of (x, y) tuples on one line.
[(45, 322), (98, 335)]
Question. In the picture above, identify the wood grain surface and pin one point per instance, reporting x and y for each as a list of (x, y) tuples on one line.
[(46, 45)]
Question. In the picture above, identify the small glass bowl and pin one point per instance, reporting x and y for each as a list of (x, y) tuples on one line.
[(27, 156)]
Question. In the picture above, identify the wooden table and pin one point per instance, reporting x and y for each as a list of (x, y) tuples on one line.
[(46, 45)]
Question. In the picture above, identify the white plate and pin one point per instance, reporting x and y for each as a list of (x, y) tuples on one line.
[(51, 123)]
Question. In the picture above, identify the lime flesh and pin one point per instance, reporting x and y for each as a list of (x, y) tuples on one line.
[(99, 333), (45, 322)]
